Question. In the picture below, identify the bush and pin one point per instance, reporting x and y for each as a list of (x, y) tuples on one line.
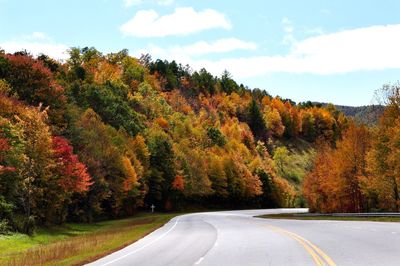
[(6, 215), (5, 208), (29, 225), (4, 227), (24, 225)]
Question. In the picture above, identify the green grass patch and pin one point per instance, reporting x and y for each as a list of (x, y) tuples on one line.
[(75, 244), (335, 218), (299, 161)]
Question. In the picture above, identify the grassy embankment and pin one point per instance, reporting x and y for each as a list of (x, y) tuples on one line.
[(295, 165), (336, 218), (299, 161), (75, 244)]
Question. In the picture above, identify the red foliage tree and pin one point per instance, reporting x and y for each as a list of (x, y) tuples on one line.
[(28, 77), (179, 183), (74, 175), (35, 84), (4, 147)]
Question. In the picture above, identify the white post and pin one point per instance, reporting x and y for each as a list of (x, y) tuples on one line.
[(152, 208)]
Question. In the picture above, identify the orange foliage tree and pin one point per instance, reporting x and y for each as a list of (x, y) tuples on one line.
[(334, 184)]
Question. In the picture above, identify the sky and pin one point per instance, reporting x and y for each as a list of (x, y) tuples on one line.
[(320, 50)]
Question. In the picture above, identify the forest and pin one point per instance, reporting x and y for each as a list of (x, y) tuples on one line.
[(361, 171), (368, 115), (102, 136)]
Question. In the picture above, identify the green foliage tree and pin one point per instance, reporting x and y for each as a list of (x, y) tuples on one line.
[(227, 84), (256, 121), (204, 81), (110, 102), (216, 137), (267, 199), (162, 167)]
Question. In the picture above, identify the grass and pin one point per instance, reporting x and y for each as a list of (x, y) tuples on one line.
[(76, 244), (301, 155), (336, 218)]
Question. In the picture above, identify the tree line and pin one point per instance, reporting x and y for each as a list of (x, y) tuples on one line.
[(101, 136), (361, 171)]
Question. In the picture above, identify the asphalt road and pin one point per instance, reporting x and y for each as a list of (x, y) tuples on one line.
[(237, 238)]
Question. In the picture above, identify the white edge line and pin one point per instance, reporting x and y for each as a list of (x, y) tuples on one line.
[(215, 243), (148, 244), (199, 261)]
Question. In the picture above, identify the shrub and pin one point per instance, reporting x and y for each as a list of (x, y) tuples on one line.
[(4, 227)]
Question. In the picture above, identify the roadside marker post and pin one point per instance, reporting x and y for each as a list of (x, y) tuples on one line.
[(152, 208)]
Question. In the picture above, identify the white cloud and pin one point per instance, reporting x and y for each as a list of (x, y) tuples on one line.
[(38, 35), (148, 23), (189, 54), (370, 48), (36, 43), (56, 51), (219, 46), (202, 48), (362, 49)]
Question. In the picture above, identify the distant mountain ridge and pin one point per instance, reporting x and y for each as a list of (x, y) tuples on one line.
[(368, 114)]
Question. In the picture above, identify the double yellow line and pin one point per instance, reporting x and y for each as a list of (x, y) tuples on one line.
[(319, 257)]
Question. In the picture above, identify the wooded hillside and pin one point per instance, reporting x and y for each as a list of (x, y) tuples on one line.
[(101, 136), (360, 172)]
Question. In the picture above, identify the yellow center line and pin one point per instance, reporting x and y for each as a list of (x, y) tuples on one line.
[(320, 252), (316, 253)]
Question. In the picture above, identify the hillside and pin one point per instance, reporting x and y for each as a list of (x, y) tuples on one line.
[(102, 136), (368, 115)]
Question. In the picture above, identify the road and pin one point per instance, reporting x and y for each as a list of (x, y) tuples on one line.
[(237, 238)]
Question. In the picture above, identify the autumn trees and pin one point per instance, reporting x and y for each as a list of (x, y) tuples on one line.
[(102, 136), (40, 172), (362, 172), (335, 183), (384, 156)]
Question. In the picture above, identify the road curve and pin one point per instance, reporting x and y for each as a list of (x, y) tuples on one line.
[(238, 238)]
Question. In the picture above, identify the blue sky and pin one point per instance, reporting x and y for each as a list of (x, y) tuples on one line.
[(332, 51)]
